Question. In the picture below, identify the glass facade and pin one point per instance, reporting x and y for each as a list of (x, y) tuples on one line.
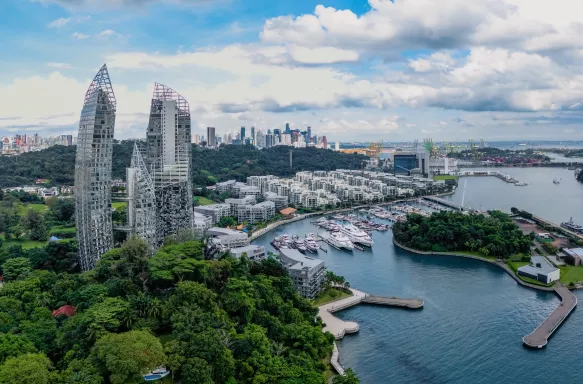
[(93, 171), (403, 164)]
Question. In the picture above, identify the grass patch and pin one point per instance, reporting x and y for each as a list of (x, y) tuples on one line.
[(62, 229), (571, 274), (514, 265), (26, 244), (23, 208), (118, 204), (330, 295), (204, 200), (474, 253), (329, 372), (445, 177)]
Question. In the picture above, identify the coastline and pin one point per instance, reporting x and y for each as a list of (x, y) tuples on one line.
[(492, 262)]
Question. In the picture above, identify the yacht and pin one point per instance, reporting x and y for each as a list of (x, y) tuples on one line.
[(339, 241), (571, 226), (311, 245), (299, 244), (356, 235)]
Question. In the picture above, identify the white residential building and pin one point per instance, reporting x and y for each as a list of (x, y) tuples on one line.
[(306, 273)]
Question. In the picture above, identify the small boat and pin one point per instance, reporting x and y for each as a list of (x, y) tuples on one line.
[(555, 181), (156, 374)]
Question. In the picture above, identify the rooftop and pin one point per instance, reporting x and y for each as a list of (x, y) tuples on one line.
[(539, 264), (216, 231), (298, 260), (574, 251)]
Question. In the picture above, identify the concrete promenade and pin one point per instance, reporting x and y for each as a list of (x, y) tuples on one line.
[(540, 336)]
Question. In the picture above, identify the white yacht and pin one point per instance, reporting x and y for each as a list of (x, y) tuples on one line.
[(339, 241), (311, 244), (356, 235)]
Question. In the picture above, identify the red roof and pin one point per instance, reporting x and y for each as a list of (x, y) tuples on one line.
[(65, 310)]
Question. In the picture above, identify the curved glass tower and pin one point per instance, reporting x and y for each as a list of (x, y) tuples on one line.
[(168, 160), (93, 171)]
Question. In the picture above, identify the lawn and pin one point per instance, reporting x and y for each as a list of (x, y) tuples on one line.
[(517, 264), (26, 244), (330, 295), (118, 204), (23, 208), (514, 265), (60, 228), (204, 200), (571, 274), (444, 177)]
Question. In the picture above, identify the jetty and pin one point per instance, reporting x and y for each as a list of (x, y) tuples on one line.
[(540, 336), (445, 203), (339, 328)]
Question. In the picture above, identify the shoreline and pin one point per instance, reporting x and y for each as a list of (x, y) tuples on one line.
[(272, 226), (504, 266)]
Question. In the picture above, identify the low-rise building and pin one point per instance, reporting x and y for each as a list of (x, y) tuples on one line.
[(306, 273), (225, 186), (229, 238), (216, 211), (253, 252), (573, 256), (541, 270), (280, 202), (235, 203), (257, 213)]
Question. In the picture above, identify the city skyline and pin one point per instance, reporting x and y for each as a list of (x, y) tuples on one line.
[(350, 69)]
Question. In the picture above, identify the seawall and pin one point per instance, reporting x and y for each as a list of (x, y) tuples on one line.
[(496, 263)]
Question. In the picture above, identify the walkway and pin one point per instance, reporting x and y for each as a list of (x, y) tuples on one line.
[(539, 337), (333, 324)]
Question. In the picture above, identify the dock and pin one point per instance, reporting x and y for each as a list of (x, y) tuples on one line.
[(540, 336), (445, 203), (339, 328), (393, 301)]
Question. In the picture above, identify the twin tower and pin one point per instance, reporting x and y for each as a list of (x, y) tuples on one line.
[(159, 186)]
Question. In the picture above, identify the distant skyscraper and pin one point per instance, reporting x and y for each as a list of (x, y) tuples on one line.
[(337, 146), (324, 142), (252, 135), (309, 135), (211, 140), (93, 171), (287, 129), (260, 139), (169, 157), (268, 140), (242, 136)]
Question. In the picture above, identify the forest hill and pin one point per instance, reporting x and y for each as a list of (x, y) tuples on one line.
[(57, 163)]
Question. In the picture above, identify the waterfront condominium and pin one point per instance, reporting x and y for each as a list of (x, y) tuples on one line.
[(168, 160), (93, 171)]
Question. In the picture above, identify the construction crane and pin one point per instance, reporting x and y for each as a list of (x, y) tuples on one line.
[(375, 149), (474, 150), (431, 148)]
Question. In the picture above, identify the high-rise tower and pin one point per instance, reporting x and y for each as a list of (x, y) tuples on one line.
[(93, 171), (211, 139), (168, 160)]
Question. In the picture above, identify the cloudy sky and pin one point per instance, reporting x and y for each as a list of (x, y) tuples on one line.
[(353, 70)]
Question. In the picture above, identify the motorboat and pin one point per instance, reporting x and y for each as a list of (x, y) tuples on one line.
[(356, 235), (340, 241), (299, 244), (156, 374)]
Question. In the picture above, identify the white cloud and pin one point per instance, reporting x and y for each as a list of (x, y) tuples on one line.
[(107, 33), (80, 36), (61, 22), (321, 55), (60, 65)]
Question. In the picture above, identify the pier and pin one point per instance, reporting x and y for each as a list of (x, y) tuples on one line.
[(540, 336), (445, 203), (339, 328)]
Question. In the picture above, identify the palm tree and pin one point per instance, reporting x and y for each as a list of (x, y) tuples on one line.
[(278, 348)]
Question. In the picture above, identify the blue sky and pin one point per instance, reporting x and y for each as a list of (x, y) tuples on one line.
[(353, 70)]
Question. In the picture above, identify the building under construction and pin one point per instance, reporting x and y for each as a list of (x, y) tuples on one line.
[(93, 171)]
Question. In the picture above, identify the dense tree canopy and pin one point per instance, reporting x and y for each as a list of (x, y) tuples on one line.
[(57, 163), (210, 321), (494, 234)]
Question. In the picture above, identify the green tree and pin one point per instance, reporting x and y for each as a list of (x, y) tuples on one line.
[(196, 371), (125, 357), (348, 378), (35, 223), (16, 268), (63, 210), (30, 368), (13, 346), (227, 221)]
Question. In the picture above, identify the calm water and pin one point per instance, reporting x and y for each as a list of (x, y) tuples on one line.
[(471, 328), (555, 202)]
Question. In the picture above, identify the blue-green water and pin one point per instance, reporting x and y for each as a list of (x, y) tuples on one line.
[(470, 330)]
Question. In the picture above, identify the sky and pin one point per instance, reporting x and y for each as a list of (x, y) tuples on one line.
[(353, 70)]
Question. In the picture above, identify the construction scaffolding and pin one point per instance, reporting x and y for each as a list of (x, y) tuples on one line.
[(169, 161), (93, 164)]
